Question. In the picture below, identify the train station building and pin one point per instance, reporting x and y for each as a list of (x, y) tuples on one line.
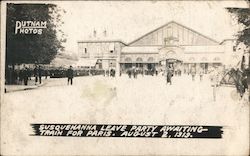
[(172, 43)]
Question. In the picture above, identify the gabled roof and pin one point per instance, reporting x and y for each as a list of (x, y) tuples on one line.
[(171, 23)]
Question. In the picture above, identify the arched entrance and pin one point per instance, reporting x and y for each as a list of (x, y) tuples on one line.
[(128, 62), (174, 65), (171, 59)]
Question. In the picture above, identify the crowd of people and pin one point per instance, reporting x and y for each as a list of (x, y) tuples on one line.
[(134, 72), (168, 73), (109, 73), (23, 75)]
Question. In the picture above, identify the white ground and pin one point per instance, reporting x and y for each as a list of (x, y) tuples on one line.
[(145, 100)]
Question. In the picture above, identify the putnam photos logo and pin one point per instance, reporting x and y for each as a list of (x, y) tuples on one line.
[(30, 27)]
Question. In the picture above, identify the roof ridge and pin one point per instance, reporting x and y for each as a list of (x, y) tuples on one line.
[(172, 21)]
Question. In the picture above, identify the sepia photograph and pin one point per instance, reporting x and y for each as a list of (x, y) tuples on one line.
[(125, 77)]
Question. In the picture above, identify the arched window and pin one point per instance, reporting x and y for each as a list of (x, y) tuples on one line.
[(150, 59), (139, 59), (128, 59), (171, 52)]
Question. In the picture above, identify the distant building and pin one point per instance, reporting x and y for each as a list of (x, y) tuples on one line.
[(105, 53), (171, 44)]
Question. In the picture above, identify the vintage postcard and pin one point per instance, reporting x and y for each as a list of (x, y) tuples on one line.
[(125, 77)]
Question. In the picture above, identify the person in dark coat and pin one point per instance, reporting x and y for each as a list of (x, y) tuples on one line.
[(15, 76), (129, 73), (36, 74), (112, 73), (70, 75), (169, 76), (25, 75), (46, 73), (29, 73), (21, 76), (40, 74)]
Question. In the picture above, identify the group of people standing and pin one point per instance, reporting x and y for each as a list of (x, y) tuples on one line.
[(133, 72), (23, 75), (109, 73), (194, 73), (38, 74)]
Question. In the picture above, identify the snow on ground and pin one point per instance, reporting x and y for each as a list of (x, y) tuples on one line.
[(145, 100)]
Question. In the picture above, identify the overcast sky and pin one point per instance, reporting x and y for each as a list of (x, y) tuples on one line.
[(126, 20)]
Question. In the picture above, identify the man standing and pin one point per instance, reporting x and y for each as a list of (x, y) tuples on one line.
[(25, 76), (201, 74), (70, 74), (40, 74), (36, 74), (135, 73), (46, 73), (193, 72), (169, 75), (129, 73)]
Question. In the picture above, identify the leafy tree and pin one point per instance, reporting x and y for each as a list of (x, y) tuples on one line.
[(242, 15), (243, 18), (33, 48)]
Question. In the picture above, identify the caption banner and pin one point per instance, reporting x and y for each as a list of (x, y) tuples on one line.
[(155, 131)]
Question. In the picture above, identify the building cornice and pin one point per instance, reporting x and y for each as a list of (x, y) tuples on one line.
[(101, 41)]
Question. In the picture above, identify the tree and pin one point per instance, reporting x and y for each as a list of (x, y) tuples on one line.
[(243, 18), (33, 47)]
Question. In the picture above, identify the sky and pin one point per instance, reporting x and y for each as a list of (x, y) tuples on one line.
[(128, 20)]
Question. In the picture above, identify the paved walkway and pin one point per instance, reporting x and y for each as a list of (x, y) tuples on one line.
[(143, 101)]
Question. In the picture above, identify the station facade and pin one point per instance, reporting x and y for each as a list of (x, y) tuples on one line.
[(172, 43)]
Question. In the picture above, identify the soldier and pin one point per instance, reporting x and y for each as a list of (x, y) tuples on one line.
[(134, 73), (25, 76), (193, 72), (46, 73), (201, 74), (169, 76), (40, 74), (129, 73), (35, 74), (70, 75), (113, 73), (21, 76)]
